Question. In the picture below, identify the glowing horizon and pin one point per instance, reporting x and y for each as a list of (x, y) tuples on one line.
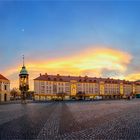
[(92, 61)]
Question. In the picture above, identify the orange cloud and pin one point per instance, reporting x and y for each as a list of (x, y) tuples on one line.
[(90, 62), (133, 77)]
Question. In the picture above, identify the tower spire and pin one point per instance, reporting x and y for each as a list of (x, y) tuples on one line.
[(23, 60), (23, 82)]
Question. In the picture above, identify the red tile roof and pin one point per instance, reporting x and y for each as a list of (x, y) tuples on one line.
[(58, 77), (3, 78)]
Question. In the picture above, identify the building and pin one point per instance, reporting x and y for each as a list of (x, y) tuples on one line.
[(137, 88), (4, 89), (49, 86), (23, 82)]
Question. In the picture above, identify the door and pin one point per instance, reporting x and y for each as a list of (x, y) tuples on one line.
[(5, 97)]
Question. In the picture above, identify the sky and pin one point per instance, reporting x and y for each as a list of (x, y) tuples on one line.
[(83, 37)]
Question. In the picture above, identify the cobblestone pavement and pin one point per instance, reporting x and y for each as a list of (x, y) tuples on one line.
[(109, 120)]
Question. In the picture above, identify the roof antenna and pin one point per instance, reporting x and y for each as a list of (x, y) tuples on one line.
[(23, 60)]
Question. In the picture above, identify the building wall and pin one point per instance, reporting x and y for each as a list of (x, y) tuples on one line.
[(88, 88), (4, 90), (102, 87), (137, 89), (128, 89), (53, 87), (112, 89)]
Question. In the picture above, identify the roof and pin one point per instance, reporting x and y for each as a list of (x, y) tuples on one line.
[(68, 78), (3, 78), (23, 71), (137, 82)]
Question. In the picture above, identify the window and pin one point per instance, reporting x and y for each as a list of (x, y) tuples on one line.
[(5, 87)]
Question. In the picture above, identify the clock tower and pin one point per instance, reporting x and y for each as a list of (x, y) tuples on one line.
[(23, 82)]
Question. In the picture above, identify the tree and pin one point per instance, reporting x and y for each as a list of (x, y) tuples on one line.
[(15, 93), (30, 95)]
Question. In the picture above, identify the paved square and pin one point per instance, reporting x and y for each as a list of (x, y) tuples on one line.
[(118, 119)]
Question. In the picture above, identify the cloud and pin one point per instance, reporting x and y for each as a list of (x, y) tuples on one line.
[(91, 62), (112, 73), (133, 76)]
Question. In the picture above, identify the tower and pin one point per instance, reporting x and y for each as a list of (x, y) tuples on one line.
[(23, 82)]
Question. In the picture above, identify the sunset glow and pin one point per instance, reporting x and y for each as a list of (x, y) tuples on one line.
[(91, 61)]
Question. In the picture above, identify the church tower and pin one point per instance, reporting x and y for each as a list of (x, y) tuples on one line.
[(23, 82)]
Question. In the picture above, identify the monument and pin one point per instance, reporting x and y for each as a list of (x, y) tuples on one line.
[(23, 82)]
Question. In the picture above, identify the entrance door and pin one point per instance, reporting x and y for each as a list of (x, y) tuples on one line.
[(5, 97)]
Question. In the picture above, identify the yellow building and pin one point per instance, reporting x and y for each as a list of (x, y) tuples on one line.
[(49, 86), (4, 89)]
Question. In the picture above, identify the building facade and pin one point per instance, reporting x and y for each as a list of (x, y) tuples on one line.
[(4, 89), (48, 86)]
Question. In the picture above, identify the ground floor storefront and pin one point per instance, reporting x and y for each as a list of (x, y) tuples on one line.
[(43, 97)]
